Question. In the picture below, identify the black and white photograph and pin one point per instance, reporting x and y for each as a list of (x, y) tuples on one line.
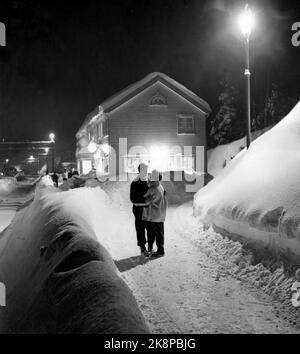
[(149, 169)]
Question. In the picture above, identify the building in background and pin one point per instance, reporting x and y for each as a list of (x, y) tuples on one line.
[(156, 120)]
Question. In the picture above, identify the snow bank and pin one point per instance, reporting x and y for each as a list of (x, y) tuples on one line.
[(273, 277), (14, 195), (257, 196), (220, 157), (11, 189), (6, 217), (46, 181), (59, 277), (6, 185)]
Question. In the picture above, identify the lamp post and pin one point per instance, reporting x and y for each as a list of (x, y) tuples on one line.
[(52, 141), (246, 22)]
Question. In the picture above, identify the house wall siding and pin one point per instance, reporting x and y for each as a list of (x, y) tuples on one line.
[(147, 125)]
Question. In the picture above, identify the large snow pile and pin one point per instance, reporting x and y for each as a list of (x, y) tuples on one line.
[(59, 277), (257, 196), (220, 156), (14, 194), (6, 217), (11, 189), (46, 181)]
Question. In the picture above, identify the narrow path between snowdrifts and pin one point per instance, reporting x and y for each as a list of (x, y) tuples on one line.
[(187, 291)]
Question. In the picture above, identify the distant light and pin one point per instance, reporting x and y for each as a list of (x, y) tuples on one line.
[(52, 137), (92, 147), (31, 158), (246, 22), (105, 148), (7, 161)]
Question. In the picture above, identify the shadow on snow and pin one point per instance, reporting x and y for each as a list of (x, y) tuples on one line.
[(129, 263)]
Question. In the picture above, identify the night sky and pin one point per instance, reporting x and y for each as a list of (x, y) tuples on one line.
[(64, 58)]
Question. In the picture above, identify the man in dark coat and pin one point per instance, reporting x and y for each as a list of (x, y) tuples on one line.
[(138, 189), (55, 179)]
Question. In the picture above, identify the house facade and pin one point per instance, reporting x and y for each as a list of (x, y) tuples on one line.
[(156, 120)]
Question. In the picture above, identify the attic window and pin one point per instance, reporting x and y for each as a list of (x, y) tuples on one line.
[(158, 100)]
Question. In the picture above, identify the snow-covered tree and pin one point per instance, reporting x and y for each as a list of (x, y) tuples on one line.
[(226, 126), (277, 106)]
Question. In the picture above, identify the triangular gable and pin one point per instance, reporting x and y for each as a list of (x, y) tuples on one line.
[(123, 96), (131, 91)]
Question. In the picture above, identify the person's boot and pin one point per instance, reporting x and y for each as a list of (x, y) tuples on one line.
[(159, 253), (149, 252), (143, 250)]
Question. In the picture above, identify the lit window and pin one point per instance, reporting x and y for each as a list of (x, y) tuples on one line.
[(185, 124), (86, 166)]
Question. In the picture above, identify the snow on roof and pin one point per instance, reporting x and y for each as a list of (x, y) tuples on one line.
[(132, 90)]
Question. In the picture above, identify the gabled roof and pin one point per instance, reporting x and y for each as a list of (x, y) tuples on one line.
[(131, 91)]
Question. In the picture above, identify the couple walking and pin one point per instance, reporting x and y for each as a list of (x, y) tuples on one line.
[(149, 208)]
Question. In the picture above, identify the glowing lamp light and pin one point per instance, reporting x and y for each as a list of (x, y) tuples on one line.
[(7, 161), (52, 137), (31, 158), (159, 156), (246, 22), (92, 147)]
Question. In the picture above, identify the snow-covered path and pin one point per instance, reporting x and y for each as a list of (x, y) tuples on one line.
[(187, 291), (190, 290)]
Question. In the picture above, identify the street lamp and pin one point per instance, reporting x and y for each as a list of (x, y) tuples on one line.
[(52, 141), (246, 23), (52, 138)]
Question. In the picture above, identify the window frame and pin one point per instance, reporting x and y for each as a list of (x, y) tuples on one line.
[(186, 116)]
